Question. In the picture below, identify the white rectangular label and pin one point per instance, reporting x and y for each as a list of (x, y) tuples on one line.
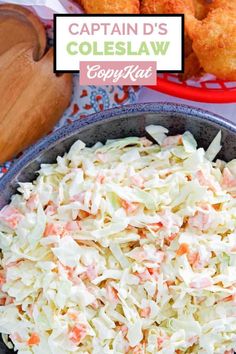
[(110, 38)]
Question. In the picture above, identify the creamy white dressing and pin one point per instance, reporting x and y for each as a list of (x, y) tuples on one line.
[(127, 247)]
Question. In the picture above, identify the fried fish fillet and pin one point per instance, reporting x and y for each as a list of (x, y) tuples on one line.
[(110, 6)]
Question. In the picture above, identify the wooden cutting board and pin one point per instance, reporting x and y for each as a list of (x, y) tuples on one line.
[(32, 97)]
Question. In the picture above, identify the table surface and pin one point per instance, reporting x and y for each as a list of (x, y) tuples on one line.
[(144, 95), (227, 111)]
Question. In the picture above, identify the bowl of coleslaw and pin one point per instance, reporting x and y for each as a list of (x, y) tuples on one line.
[(118, 235)]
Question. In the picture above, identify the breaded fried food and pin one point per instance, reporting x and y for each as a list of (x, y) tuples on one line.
[(152, 7), (192, 68), (166, 6), (179, 6), (185, 7), (214, 42), (110, 6), (187, 46), (192, 65), (223, 4), (201, 8)]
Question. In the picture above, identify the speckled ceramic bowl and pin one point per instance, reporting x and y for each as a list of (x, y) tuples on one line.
[(117, 123)]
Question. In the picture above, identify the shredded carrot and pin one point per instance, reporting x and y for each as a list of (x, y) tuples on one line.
[(10, 300), (52, 229), (101, 179), (131, 228), (229, 298), (229, 180), (83, 214), (170, 238), (193, 258), (142, 233), (173, 140), (73, 315), (124, 204), (183, 249), (3, 301), (19, 307), (144, 276), (145, 312), (156, 226), (78, 333), (34, 339), (151, 270), (2, 280), (170, 282), (70, 271), (217, 206), (112, 293), (128, 206)]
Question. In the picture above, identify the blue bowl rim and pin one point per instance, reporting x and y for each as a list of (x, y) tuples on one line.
[(69, 130)]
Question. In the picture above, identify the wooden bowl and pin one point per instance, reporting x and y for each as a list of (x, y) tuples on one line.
[(17, 25)]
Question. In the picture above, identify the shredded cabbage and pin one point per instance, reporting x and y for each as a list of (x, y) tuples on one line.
[(214, 148), (127, 247)]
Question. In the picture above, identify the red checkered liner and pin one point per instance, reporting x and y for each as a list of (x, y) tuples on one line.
[(209, 90)]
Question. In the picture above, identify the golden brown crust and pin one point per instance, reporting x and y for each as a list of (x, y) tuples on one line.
[(179, 6), (192, 67), (170, 7), (223, 4), (187, 46), (201, 9), (111, 6), (214, 42), (214, 38), (166, 6), (152, 7)]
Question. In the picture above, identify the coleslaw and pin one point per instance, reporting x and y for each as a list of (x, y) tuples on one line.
[(127, 247)]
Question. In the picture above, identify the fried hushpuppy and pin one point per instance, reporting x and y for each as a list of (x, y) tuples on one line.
[(152, 7), (110, 6), (214, 42)]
